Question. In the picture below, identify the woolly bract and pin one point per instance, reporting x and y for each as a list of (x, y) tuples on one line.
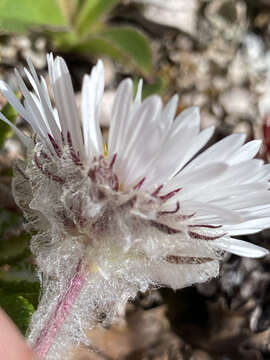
[(146, 211)]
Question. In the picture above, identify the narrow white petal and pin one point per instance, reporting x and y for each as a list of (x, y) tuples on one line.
[(87, 109), (12, 99), (195, 180), (120, 117), (188, 118), (45, 91), (31, 80), (34, 116), (248, 227), (218, 193), (220, 151), (166, 164), (144, 136), (92, 92), (246, 152), (50, 62), (262, 212), (205, 210), (138, 98), (153, 134), (196, 144), (240, 247), (25, 139), (243, 201), (247, 172), (43, 102), (181, 144), (65, 103), (167, 115), (36, 121), (56, 116)]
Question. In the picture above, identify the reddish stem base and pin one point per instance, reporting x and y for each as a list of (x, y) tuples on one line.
[(62, 310)]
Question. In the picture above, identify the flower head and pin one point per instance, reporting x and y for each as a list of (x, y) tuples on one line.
[(148, 208)]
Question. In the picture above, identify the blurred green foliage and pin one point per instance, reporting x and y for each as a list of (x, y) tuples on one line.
[(18, 308), (154, 86), (79, 26), (19, 285), (19, 15), (5, 130)]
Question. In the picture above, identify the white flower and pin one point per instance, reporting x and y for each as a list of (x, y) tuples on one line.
[(144, 209)]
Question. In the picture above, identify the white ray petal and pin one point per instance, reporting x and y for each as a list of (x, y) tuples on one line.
[(219, 193), (188, 118), (45, 91), (65, 103), (246, 152), (56, 116), (205, 210), (243, 201), (186, 152), (145, 131), (37, 124), (194, 181), (167, 115), (120, 117), (36, 117), (195, 146), (92, 92), (180, 137), (240, 247), (12, 99), (31, 80), (151, 140), (41, 110), (220, 151), (25, 139), (261, 212), (247, 172), (138, 98), (44, 103), (248, 227)]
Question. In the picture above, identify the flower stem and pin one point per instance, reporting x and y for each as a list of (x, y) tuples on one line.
[(62, 310)]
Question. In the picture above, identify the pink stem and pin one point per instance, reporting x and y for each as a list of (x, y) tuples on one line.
[(62, 310)]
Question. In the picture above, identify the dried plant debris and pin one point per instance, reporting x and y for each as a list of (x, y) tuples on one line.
[(242, 295), (144, 335)]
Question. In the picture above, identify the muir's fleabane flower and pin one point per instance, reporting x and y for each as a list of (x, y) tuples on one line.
[(145, 209)]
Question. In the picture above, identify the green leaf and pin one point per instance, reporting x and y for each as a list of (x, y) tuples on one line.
[(124, 44), (68, 9), (5, 130), (13, 26), (65, 41), (91, 13), (18, 308), (21, 279), (19, 15), (14, 248)]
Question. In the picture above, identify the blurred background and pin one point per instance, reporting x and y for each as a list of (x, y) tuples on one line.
[(215, 54)]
